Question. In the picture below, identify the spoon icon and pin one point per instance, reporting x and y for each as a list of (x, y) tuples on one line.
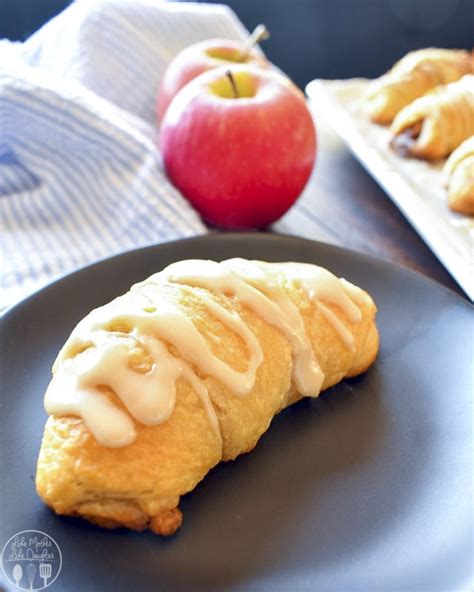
[(17, 574), (31, 572)]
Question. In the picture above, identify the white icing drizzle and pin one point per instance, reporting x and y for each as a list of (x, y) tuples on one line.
[(146, 320), (344, 333), (277, 310), (67, 395)]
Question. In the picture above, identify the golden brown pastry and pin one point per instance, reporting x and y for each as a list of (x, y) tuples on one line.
[(434, 125), (187, 369), (414, 75), (459, 178)]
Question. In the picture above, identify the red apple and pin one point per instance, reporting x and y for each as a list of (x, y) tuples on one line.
[(199, 58), (240, 148)]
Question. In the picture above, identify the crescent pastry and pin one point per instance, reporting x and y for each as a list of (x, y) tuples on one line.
[(187, 369), (434, 125), (414, 75)]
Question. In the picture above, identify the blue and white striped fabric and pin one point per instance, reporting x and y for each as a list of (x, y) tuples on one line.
[(80, 174)]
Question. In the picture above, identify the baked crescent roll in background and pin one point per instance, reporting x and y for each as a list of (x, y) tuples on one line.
[(459, 178), (414, 75), (434, 125), (187, 369)]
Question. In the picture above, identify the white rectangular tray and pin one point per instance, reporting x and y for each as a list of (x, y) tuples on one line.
[(415, 186)]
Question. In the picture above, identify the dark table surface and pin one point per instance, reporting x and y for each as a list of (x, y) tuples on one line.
[(343, 205)]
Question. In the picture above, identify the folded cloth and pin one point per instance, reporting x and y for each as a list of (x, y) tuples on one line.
[(80, 172)]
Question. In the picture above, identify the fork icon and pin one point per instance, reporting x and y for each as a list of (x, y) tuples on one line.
[(45, 572)]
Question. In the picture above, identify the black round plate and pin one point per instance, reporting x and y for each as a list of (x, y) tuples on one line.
[(367, 488)]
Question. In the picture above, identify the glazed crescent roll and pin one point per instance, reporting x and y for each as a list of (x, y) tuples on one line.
[(434, 125), (411, 77), (187, 369), (459, 178)]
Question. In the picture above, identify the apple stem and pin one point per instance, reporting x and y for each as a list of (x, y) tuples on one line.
[(260, 33), (232, 84)]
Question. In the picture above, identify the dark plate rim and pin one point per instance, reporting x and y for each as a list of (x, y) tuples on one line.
[(377, 265), (217, 236)]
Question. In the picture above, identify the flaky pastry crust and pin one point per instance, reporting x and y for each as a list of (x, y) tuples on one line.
[(139, 486), (436, 124), (459, 178), (413, 76)]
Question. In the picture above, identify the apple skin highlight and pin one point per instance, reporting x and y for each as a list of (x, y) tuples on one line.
[(242, 162)]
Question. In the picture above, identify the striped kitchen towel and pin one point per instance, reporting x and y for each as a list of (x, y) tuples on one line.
[(80, 173)]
